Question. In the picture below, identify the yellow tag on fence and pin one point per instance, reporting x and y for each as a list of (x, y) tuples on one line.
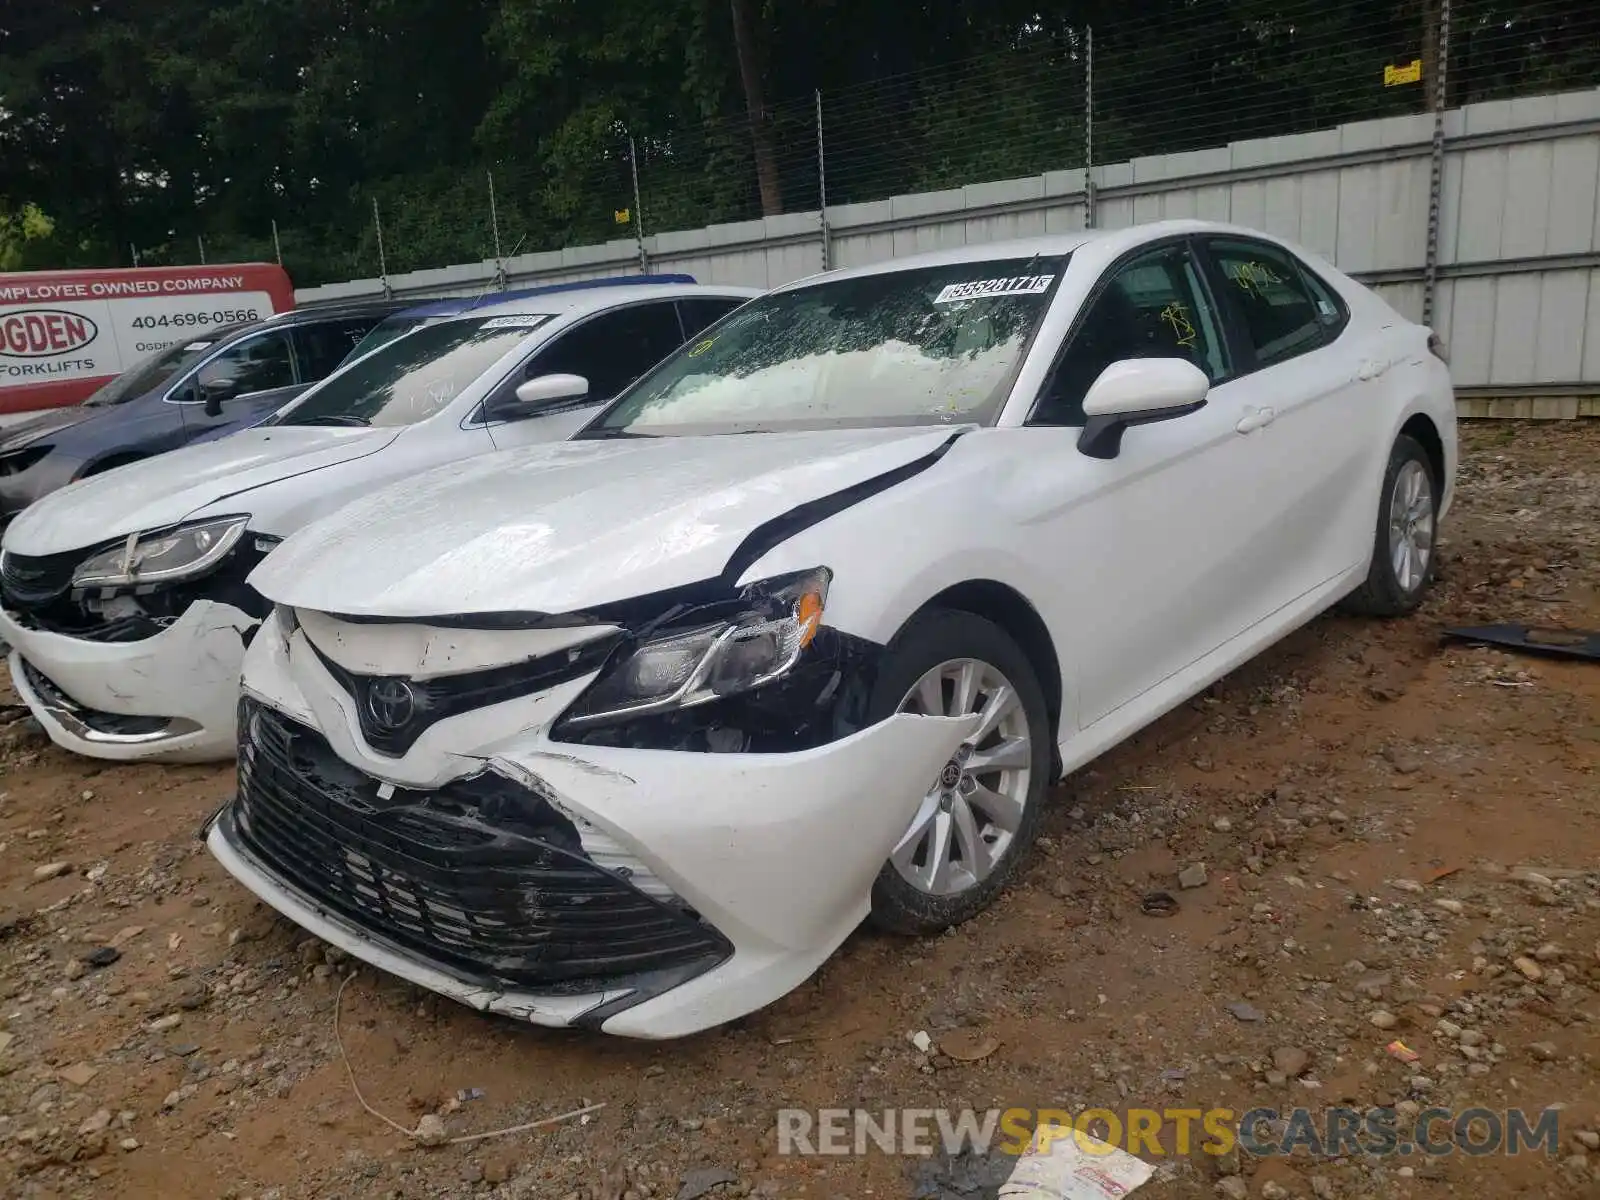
[(1410, 72)]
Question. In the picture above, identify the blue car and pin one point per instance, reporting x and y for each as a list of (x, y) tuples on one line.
[(215, 383)]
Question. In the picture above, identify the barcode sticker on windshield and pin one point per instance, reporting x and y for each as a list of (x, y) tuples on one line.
[(517, 322), (1017, 285)]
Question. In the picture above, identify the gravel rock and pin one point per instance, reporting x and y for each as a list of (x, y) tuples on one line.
[(1192, 876)]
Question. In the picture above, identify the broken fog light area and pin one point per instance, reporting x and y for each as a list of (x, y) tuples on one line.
[(39, 592), (482, 878), (823, 698), (117, 725)]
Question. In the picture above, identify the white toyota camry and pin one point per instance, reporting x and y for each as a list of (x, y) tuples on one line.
[(631, 731)]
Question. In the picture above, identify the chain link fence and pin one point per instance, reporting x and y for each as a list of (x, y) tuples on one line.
[(1058, 98)]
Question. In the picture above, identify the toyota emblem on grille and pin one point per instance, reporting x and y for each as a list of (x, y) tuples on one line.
[(390, 703)]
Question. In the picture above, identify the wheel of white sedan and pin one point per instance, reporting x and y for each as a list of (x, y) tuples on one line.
[(982, 809), (1404, 542)]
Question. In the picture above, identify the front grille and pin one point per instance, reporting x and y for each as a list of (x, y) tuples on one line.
[(28, 580), (117, 724), (395, 711), (480, 878)]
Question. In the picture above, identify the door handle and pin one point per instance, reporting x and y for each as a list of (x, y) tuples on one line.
[(1255, 419)]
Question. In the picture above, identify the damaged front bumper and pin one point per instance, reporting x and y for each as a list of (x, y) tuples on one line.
[(170, 697), (645, 893)]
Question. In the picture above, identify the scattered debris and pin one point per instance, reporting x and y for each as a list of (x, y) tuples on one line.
[(698, 1182), (101, 956), (1561, 643), (1246, 1012), (922, 1041), (1067, 1164), (1398, 1049), (1159, 904), (1192, 876), (54, 870), (967, 1045)]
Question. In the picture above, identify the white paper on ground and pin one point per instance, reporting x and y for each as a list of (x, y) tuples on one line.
[(1064, 1164)]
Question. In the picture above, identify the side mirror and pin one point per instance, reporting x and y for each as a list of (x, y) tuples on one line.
[(216, 385), (536, 394), (1138, 391)]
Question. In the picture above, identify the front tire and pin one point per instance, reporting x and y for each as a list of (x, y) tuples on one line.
[(983, 809), (1405, 542)]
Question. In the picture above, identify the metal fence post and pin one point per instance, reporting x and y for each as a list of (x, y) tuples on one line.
[(1441, 70), (277, 246), (494, 224), (822, 192), (1088, 127), (383, 263), (638, 208), (200, 241)]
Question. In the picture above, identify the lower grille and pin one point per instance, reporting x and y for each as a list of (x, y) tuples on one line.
[(116, 724), (480, 878)]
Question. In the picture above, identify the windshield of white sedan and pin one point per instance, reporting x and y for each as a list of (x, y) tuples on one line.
[(413, 376), (910, 347)]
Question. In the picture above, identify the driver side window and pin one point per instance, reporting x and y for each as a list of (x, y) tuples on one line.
[(1153, 306), (256, 364)]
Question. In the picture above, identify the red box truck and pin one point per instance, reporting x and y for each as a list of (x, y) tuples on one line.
[(64, 333)]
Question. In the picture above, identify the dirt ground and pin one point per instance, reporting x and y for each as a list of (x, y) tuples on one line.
[(1361, 798)]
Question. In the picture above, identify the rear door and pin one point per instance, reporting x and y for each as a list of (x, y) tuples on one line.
[(1307, 366), (610, 349)]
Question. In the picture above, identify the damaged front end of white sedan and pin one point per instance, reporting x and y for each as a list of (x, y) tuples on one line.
[(629, 732), (560, 880)]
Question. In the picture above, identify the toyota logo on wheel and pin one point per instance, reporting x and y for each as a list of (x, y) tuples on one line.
[(390, 703)]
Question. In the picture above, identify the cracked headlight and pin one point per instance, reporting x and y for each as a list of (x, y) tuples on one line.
[(695, 666), (162, 556)]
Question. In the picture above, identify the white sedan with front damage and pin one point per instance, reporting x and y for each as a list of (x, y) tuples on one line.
[(630, 732), (123, 596)]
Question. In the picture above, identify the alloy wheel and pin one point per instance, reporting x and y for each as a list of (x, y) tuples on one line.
[(1411, 526), (970, 815)]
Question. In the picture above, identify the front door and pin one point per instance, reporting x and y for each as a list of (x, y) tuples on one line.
[(1153, 548)]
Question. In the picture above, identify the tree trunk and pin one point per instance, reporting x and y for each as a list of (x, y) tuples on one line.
[(756, 108)]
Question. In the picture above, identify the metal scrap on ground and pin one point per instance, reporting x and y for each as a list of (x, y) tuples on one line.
[(1561, 643)]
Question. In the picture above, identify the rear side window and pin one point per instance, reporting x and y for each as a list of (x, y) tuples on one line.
[(1282, 309), (323, 347), (703, 311), (612, 349)]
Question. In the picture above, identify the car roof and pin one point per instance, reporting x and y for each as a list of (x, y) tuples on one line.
[(1112, 241), (376, 310), (570, 302), (451, 305)]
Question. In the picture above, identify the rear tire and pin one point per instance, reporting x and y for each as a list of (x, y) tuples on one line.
[(983, 809), (1404, 546)]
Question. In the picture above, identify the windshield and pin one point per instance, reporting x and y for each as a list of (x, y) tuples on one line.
[(150, 373), (910, 347), (412, 377), (382, 334)]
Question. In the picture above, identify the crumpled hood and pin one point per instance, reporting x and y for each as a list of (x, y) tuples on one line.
[(159, 491), (562, 527), (23, 433)]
